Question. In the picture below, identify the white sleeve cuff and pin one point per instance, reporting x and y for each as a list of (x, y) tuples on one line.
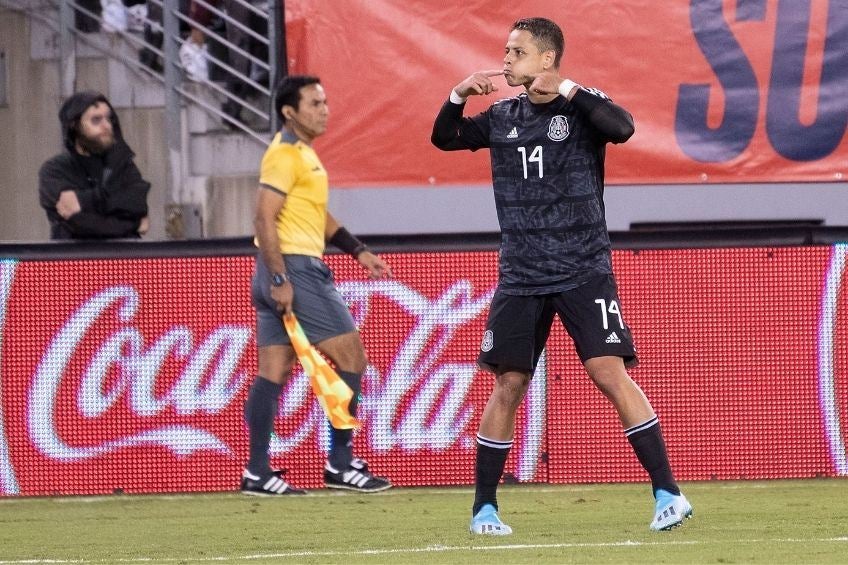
[(567, 86), (456, 98)]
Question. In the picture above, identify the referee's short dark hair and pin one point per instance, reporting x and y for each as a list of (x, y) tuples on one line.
[(546, 34), (288, 91)]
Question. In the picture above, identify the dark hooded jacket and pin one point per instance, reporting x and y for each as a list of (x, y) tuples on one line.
[(110, 188)]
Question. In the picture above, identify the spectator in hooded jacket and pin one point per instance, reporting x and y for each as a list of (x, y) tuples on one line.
[(93, 190)]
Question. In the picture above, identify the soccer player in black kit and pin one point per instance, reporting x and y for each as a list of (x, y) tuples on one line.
[(547, 150)]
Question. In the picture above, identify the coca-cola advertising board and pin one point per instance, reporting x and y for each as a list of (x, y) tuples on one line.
[(130, 375)]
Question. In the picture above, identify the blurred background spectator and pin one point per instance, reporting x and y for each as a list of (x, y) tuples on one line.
[(153, 32), (239, 16)]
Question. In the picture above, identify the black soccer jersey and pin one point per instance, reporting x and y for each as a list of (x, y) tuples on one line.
[(548, 179)]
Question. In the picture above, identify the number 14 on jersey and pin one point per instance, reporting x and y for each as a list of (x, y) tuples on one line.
[(535, 157)]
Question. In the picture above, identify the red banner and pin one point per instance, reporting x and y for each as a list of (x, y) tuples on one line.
[(130, 375), (721, 91)]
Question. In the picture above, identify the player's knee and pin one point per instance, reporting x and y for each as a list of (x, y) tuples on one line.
[(607, 371), (509, 392), (611, 382)]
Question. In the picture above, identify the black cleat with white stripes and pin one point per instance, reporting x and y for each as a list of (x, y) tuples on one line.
[(356, 478), (271, 484)]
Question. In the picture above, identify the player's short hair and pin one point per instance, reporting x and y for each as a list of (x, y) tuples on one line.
[(288, 91), (546, 35)]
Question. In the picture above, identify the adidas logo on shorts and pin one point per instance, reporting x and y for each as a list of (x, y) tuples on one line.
[(613, 338)]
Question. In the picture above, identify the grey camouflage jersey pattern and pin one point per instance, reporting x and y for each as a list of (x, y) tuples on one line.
[(548, 178)]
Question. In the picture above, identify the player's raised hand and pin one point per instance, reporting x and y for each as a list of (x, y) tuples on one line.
[(545, 83), (478, 83)]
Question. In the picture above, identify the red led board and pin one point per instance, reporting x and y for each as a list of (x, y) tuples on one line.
[(130, 374)]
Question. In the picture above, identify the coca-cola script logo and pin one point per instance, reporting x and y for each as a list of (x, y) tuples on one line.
[(417, 401), (218, 355), (835, 420)]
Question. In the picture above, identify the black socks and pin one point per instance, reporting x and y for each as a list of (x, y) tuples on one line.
[(341, 441), (260, 409), (491, 458), (647, 441)]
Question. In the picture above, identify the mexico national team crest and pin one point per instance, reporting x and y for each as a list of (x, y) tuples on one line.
[(558, 130), (488, 341)]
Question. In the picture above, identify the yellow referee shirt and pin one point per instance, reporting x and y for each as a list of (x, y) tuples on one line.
[(293, 168)]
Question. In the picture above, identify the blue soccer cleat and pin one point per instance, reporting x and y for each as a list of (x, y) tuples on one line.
[(671, 510), (487, 522)]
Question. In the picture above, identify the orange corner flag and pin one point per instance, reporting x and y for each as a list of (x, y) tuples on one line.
[(332, 392)]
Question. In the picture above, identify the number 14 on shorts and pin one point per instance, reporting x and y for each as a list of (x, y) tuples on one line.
[(609, 308)]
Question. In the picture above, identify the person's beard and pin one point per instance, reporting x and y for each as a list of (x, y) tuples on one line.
[(94, 145)]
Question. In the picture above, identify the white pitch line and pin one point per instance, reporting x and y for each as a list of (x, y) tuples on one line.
[(429, 549), (404, 491)]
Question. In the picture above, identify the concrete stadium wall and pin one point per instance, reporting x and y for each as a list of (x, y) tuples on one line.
[(31, 134)]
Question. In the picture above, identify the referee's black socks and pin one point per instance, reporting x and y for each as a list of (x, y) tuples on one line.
[(260, 409), (341, 441)]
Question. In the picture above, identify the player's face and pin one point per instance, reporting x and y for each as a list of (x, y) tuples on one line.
[(312, 112), (95, 134), (523, 60)]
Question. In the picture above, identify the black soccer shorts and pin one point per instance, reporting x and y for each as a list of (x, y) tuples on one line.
[(518, 326)]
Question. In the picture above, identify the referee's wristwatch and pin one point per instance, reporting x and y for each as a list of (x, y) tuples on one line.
[(279, 279)]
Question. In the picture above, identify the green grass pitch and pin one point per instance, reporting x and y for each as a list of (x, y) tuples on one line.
[(798, 521)]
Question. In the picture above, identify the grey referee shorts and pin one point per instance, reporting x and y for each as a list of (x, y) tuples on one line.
[(317, 304)]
